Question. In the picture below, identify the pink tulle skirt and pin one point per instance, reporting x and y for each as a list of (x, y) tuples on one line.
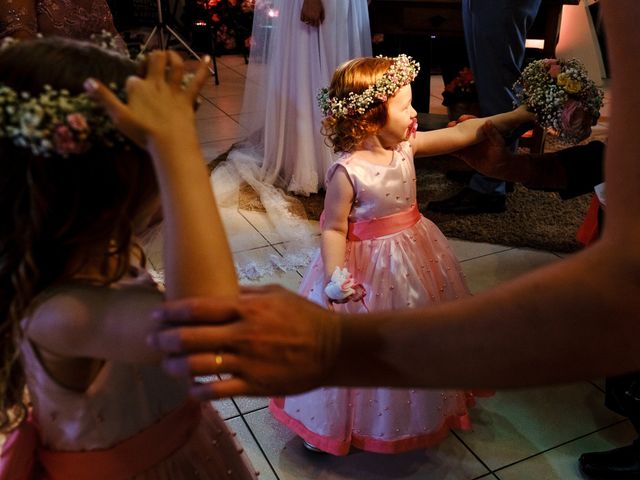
[(413, 268)]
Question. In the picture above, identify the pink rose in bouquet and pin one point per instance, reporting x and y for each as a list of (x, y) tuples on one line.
[(576, 120)]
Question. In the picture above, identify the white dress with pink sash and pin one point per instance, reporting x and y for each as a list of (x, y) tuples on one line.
[(403, 261)]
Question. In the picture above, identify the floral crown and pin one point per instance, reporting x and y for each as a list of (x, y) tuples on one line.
[(402, 72), (54, 122)]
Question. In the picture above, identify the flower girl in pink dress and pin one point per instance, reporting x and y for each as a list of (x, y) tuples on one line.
[(379, 253), (82, 395)]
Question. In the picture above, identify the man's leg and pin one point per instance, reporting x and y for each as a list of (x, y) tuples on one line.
[(495, 34)]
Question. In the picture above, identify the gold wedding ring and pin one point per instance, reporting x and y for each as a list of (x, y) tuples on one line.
[(218, 359)]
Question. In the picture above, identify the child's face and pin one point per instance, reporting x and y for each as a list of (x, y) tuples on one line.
[(400, 118)]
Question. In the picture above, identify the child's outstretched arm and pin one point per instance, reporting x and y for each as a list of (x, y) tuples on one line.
[(447, 140), (337, 205), (159, 116)]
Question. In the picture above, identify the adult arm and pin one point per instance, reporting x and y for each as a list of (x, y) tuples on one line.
[(160, 117)]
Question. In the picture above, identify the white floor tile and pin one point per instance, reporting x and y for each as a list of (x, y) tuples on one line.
[(448, 461), (230, 104), (562, 463), (240, 233), (489, 271), (261, 221), (231, 83), (231, 61), (211, 150), (257, 458), (207, 110), (467, 250), (219, 128), (226, 408), (250, 404), (514, 425)]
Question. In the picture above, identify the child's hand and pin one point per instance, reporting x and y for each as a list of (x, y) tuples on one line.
[(343, 288), (158, 106)]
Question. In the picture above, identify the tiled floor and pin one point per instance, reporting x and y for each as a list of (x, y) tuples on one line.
[(525, 434)]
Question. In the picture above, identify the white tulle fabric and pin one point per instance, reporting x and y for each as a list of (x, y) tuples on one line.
[(284, 150)]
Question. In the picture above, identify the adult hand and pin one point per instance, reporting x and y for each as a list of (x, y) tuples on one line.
[(312, 12), (256, 340), (490, 156), (159, 105)]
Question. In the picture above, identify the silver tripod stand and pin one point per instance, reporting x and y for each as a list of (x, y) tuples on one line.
[(164, 32)]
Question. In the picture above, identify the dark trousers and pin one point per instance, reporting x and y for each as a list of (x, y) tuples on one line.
[(495, 32), (622, 395)]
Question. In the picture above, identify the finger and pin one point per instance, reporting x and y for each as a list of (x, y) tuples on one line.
[(108, 100), (199, 78), (157, 65), (200, 364), (231, 387), (192, 339), (198, 310), (492, 133), (176, 70)]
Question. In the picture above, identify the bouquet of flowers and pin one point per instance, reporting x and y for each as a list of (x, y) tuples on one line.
[(566, 101)]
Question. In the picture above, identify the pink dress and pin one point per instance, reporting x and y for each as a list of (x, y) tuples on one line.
[(412, 267), (125, 400)]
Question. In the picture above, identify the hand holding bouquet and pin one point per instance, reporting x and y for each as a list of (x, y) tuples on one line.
[(566, 101), (342, 288)]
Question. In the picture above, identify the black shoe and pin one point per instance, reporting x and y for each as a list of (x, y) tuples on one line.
[(617, 464), (468, 201)]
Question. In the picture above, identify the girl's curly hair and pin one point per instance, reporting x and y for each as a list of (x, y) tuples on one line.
[(345, 133), (58, 213)]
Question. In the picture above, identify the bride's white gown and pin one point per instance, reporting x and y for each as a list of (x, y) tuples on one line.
[(289, 63)]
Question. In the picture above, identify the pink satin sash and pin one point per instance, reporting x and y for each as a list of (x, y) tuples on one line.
[(122, 461), (381, 226)]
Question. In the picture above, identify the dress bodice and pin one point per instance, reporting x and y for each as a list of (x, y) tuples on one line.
[(77, 19), (123, 399), (380, 190)]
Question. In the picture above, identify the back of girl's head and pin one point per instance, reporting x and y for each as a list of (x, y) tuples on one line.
[(345, 133), (59, 212)]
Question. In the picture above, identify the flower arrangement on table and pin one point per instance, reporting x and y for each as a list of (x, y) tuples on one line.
[(231, 20), (460, 95), (460, 89), (560, 92)]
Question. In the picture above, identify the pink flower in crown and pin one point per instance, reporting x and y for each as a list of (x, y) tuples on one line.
[(65, 142), (576, 120), (77, 122)]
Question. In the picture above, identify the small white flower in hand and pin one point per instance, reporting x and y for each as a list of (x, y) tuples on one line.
[(342, 288)]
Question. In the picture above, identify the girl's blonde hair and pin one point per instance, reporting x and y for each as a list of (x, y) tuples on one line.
[(345, 133)]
